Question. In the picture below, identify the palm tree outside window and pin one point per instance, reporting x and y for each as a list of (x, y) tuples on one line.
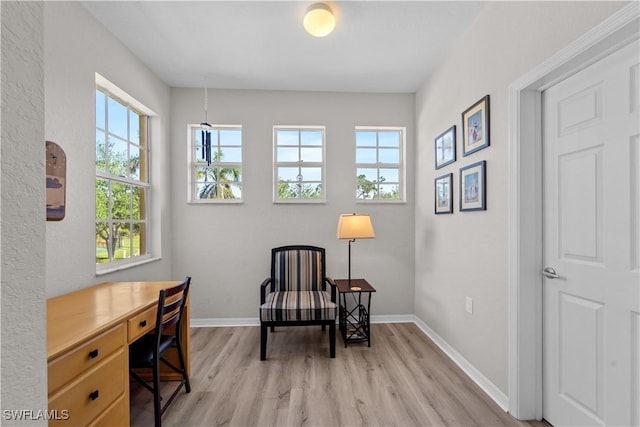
[(220, 181)]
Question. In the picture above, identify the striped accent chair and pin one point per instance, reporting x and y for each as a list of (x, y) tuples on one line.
[(296, 293)]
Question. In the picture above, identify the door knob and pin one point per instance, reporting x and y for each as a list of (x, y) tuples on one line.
[(550, 273)]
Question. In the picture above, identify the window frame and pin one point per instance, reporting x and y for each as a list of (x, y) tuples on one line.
[(192, 180), (299, 164), (143, 182), (401, 165)]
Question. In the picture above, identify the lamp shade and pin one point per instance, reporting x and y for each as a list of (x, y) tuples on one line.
[(319, 20), (355, 226)]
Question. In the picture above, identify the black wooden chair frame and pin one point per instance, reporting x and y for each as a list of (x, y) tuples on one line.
[(170, 313), (270, 281)]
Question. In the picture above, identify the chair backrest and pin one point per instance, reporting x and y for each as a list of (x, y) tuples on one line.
[(298, 268), (171, 303)]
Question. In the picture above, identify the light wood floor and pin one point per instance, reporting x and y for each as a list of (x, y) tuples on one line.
[(403, 379)]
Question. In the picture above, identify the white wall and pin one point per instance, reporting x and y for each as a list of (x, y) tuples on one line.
[(22, 210), (226, 248), (76, 47), (465, 254)]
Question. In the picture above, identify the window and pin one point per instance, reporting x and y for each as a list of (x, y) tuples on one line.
[(220, 181), (121, 181), (380, 163), (299, 164)]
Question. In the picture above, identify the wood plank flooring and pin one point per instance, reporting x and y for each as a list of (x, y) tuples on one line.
[(403, 379)]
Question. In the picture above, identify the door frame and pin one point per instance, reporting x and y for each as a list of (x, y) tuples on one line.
[(525, 201)]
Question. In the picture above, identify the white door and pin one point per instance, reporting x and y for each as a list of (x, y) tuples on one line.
[(591, 331)]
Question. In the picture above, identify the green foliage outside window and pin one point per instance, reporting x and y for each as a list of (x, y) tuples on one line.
[(222, 178), (120, 186), (367, 189), (118, 238), (292, 190), (218, 182), (379, 170)]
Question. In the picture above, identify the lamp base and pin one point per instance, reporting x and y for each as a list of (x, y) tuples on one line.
[(356, 288)]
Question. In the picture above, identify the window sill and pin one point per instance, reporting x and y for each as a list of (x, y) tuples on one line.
[(298, 201), (382, 202), (126, 265), (216, 202)]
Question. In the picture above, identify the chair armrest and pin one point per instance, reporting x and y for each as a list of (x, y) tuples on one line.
[(330, 281), (263, 286)]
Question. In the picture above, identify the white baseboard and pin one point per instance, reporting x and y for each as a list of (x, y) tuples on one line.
[(393, 318), (472, 372), (224, 322), (254, 321)]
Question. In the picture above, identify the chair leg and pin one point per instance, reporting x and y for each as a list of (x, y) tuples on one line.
[(332, 339), (183, 366), (157, 409), (263, 341)]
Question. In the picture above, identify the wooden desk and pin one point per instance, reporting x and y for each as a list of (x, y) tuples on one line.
[(88, 337)]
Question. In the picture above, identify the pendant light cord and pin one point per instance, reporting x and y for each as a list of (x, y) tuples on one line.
[(206, 132), (206, 105)]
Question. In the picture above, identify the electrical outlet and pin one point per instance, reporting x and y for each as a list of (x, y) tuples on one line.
[(469, 305)]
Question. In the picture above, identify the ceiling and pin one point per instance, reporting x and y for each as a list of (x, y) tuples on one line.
[(377, 46)]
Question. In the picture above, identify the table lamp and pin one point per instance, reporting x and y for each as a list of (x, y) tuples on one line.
[(354, 226)]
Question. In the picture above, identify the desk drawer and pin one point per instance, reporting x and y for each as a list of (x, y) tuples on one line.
[(117, 415), (65, 368), (142, 323), (92, 393)]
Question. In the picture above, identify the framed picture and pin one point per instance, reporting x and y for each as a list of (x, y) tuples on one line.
[(473, 189), (444, 194), (445, 147), (56, 167), (475, 127)]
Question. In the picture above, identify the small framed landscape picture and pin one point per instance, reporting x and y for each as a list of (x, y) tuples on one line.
[(445, 147), (473, 191), (56, 169), (475, 127), (444, 194)]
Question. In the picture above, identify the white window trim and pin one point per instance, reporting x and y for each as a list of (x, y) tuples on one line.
[(401, 165), (322, 165), (119, 265), (191, 180), (113, 91)]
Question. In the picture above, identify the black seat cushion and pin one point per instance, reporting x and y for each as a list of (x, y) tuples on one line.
[(141, 351)]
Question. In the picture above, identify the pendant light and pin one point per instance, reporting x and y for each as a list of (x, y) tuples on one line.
[(205, 133)]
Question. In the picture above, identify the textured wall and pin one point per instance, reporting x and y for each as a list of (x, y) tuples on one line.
[(22, 210)]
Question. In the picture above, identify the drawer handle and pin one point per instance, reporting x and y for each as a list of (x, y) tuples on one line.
[(93, 354), (94, 395), (143, 323)]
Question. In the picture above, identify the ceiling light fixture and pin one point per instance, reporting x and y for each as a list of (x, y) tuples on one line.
[(319, 20)]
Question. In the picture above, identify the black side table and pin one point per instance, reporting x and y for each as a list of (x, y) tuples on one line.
[(354, 323)]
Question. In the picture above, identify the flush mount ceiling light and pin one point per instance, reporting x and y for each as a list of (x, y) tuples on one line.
[(319, 20)]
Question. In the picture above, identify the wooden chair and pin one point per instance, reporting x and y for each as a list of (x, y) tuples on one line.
[(148, 351), (296, 293)]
